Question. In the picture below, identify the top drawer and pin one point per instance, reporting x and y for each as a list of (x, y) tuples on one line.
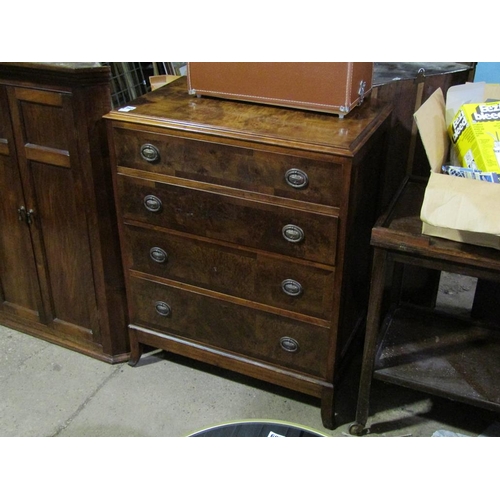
[(269, 173)]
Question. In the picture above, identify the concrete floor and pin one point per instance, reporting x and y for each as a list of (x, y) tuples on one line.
[(48, 390)]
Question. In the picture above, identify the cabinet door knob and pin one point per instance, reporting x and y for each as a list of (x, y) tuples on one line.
[(21, 214), (158, 255), (293, 233), (291, 287), (152, 203), (296, 178), (162, 308), (150, 153), (30, 214), (25, 215), (288, 344)]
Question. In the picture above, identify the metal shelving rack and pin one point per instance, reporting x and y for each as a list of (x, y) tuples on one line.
[(130, 80)]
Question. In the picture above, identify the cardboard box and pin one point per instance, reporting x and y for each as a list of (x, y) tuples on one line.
[(158, 81), (455, 208)]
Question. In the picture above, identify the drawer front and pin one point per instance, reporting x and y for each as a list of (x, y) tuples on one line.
[(268, 173), (242, 273), (246, 331), (279, 229)]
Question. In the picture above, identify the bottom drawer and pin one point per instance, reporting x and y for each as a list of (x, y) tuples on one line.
[(242, 330)]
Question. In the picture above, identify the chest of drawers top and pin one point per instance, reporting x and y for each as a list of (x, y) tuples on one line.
[(171, 107)]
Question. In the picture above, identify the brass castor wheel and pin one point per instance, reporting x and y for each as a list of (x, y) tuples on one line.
[(356, 429)]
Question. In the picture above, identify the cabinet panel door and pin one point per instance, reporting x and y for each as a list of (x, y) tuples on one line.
[(19, 291), (52, 178)]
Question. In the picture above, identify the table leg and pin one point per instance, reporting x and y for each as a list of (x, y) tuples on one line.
[(370, 347)]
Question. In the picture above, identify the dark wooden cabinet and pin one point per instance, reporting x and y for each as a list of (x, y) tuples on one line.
[(406, 85), (60, 265), (245, 232)]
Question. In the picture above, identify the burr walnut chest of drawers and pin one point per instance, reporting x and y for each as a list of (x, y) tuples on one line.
[(245, 232)]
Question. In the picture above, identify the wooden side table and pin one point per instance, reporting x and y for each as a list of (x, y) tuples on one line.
[(418, 346)]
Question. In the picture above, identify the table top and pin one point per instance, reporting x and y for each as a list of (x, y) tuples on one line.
[(400, 230)]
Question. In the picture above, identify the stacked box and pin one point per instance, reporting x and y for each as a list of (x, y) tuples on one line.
[(475, 133)]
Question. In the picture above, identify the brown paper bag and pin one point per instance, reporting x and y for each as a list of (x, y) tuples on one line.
[(462, 210)]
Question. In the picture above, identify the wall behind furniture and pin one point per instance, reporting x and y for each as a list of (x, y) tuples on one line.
[(488, 72)]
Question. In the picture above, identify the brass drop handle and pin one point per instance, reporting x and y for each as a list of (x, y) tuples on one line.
[(289, 344), (291, 287), (152, 203), (150, 153), (293, 233), (158, 255), (162, 308), (296, 178)]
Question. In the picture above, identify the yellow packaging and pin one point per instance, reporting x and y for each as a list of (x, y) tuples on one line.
[(475, 134)]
